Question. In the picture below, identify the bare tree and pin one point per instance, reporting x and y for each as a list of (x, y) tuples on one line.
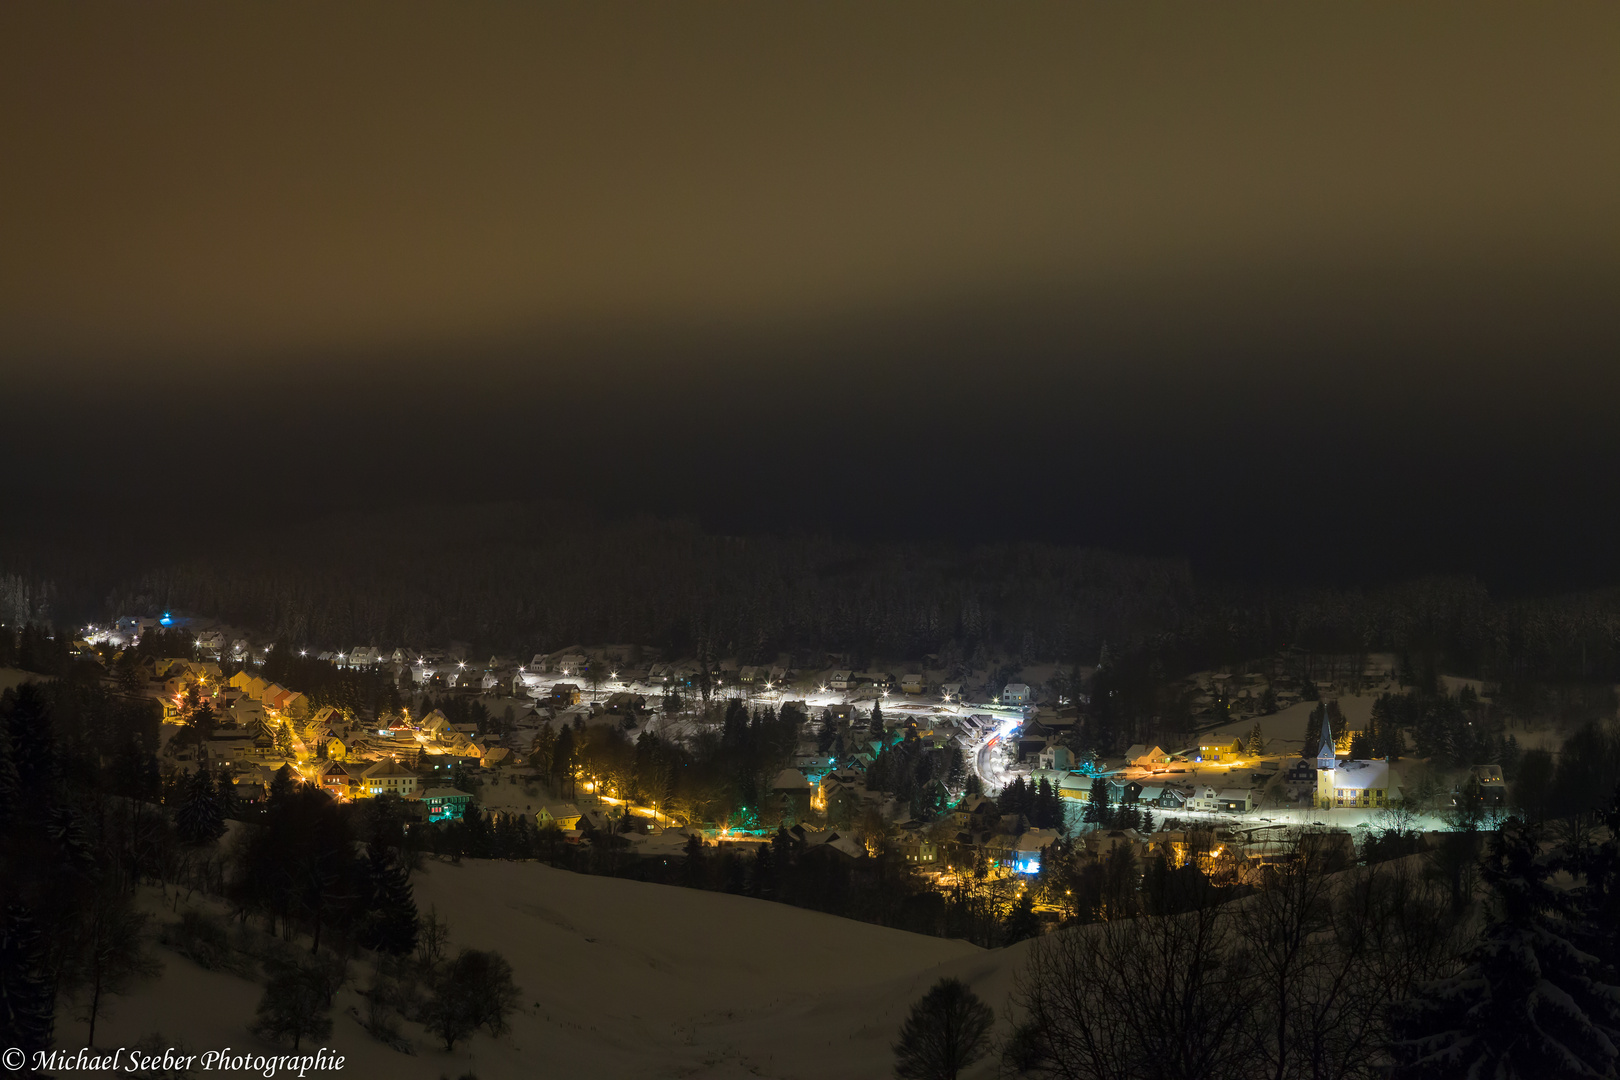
[(1158, 998), (108, 954)]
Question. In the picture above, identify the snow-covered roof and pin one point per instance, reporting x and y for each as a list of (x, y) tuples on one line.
[(1361, 775), (789, 779), (1036, 839)]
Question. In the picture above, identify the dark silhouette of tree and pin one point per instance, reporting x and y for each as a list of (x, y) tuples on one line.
[(295, 1006), (475, 991), (948, 1030), (199, 819), (388, 919), (1022, 922), (107, 953), (1528, 1003), (27, 983)]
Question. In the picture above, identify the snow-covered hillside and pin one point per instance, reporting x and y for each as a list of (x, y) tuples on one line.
[(620, 979)]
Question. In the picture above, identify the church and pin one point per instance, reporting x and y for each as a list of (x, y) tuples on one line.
[(1370, 784)]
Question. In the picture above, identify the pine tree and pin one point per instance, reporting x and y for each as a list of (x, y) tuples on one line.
[(1257, 741), (1097, 812), (877, 720), (828, 732), (694, 866), (27, 985), (388, 920), (1528, 1003), (199, 819), (1022, 922), (1014, 798), (225, 796), (762, 877), (281, 785), (1146, 826), (11, 800)]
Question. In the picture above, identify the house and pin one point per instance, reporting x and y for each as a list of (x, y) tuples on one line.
[(841, 680), (791, 791), (1492, 786), (842, 794), (336, 781), (1122, 792), (1057, 756), (976, 813), (811, 761), (913, 683), (387, 777), (564, 694), (951, 691), (1145, 757), (1016, 694), (445, 803), (1302, 771), (1365, 784), (1026, 853), (563, 815), (1076, 786), (1220, 749), (913, 844)]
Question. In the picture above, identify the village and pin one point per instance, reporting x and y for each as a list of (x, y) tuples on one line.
[(1020, 797)]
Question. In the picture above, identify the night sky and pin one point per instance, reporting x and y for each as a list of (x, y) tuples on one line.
[(1305, 293)]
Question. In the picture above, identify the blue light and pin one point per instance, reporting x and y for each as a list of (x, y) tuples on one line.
[(166, 620)]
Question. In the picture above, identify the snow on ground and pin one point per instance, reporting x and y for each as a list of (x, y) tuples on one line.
[(10, 677), (620, 979), (1284, 730)]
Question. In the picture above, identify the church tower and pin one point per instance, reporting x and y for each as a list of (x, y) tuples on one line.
[(1325, 758)]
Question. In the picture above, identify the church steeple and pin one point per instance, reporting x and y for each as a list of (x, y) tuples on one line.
[(1325, 758)]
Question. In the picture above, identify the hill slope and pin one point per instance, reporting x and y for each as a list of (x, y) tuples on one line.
[(620, 979)]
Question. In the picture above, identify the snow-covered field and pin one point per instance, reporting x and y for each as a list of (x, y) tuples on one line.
[(10, 677), (619, 979)]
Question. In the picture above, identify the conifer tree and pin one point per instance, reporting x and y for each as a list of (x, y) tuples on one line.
[(199, 818), (694, 865), (389, 919), (10, 781), (1528, 1003), (877, 720), (1097, 812), (1022, 922), (762, 876), (1146, 826), (1257, 741), (27, 985), (828, 732)]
